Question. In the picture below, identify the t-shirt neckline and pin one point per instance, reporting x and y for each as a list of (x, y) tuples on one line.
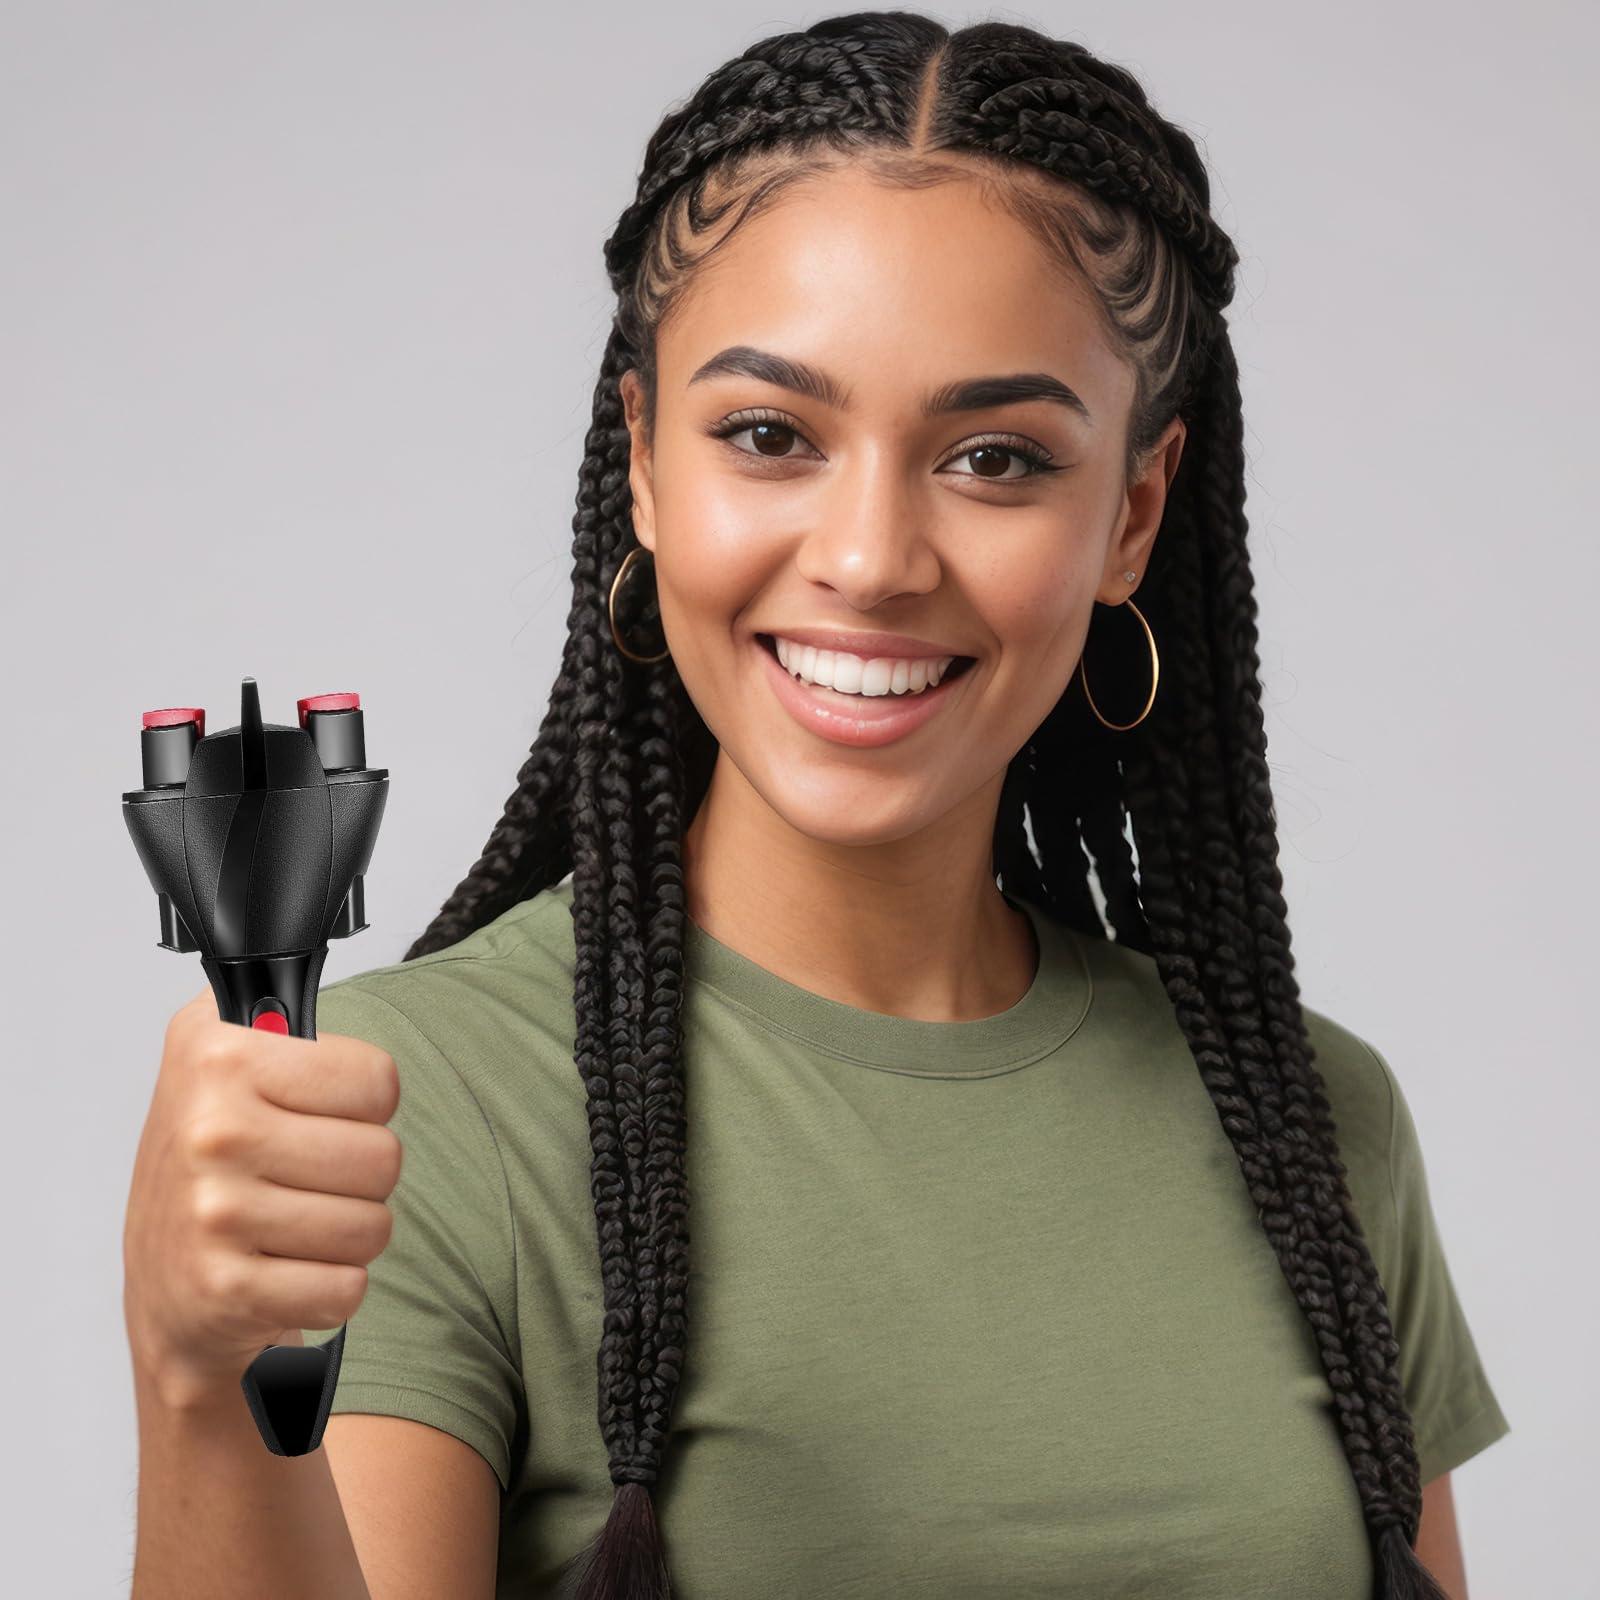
[(1051, 1011)]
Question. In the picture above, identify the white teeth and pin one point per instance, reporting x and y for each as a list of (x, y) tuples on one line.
[(850, 674)]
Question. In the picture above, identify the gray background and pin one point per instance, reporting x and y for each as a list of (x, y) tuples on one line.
[(300, 312)]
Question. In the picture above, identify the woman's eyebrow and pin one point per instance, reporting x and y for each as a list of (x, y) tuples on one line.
[(968, 394)]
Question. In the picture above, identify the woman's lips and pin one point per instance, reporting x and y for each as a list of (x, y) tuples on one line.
[(864, 721)]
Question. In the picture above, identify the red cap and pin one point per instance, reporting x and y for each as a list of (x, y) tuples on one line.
[(173, 715), (327, 702)]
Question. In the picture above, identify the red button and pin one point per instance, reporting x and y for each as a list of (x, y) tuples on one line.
[(172, 716), (328, 702), (272, 1021)]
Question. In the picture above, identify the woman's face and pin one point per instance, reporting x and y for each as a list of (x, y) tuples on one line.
[(862, 513)]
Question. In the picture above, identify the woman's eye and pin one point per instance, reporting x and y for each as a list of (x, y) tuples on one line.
[(769, 431), (775, 433), (992, 449)]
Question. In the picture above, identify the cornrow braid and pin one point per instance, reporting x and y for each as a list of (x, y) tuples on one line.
[(1172, 820)]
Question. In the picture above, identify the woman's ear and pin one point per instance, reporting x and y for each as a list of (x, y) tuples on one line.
[(639, 463), (1147, 501)]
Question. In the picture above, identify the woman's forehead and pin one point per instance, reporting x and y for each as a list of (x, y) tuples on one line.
[(892, 290)]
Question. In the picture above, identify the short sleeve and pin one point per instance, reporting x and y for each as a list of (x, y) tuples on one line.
[(434, 1337), (1454, 1411)]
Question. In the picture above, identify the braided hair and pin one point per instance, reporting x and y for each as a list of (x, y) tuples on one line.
[(1174, 820)]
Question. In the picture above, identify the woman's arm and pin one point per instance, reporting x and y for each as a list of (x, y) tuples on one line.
[(1439, 1540)]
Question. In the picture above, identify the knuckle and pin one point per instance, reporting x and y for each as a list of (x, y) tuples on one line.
[(213, 1051), (213, 1135), (221, 1277), (191, 1012), (216, 1208)]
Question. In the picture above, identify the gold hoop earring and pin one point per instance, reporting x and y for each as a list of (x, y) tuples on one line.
[(649, 609), (1155, 675)]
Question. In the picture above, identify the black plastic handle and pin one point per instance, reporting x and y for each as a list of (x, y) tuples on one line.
[(289, 1388), (290, 1391)]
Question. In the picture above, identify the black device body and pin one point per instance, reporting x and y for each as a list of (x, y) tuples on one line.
[(257, 840)]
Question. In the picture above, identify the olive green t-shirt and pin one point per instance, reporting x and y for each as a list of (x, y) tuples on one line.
[(976, 1309)]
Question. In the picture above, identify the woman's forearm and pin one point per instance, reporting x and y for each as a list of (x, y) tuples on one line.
[(220, 1514)]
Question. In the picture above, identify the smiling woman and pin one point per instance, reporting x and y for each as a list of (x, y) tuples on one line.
[(1046, 1237), (883, 495)]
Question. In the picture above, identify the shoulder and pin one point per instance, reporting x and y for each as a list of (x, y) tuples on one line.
[(1363, 1097), (496, 1006), (526, 947), (535, 935), (1361, 1089)]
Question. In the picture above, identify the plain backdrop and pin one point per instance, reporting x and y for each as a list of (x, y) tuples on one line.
[(301, 306)]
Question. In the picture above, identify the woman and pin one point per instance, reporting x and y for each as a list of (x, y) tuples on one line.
[(906, 898)]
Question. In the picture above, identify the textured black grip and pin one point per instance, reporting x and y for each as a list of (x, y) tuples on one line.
[(290, 1390)]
